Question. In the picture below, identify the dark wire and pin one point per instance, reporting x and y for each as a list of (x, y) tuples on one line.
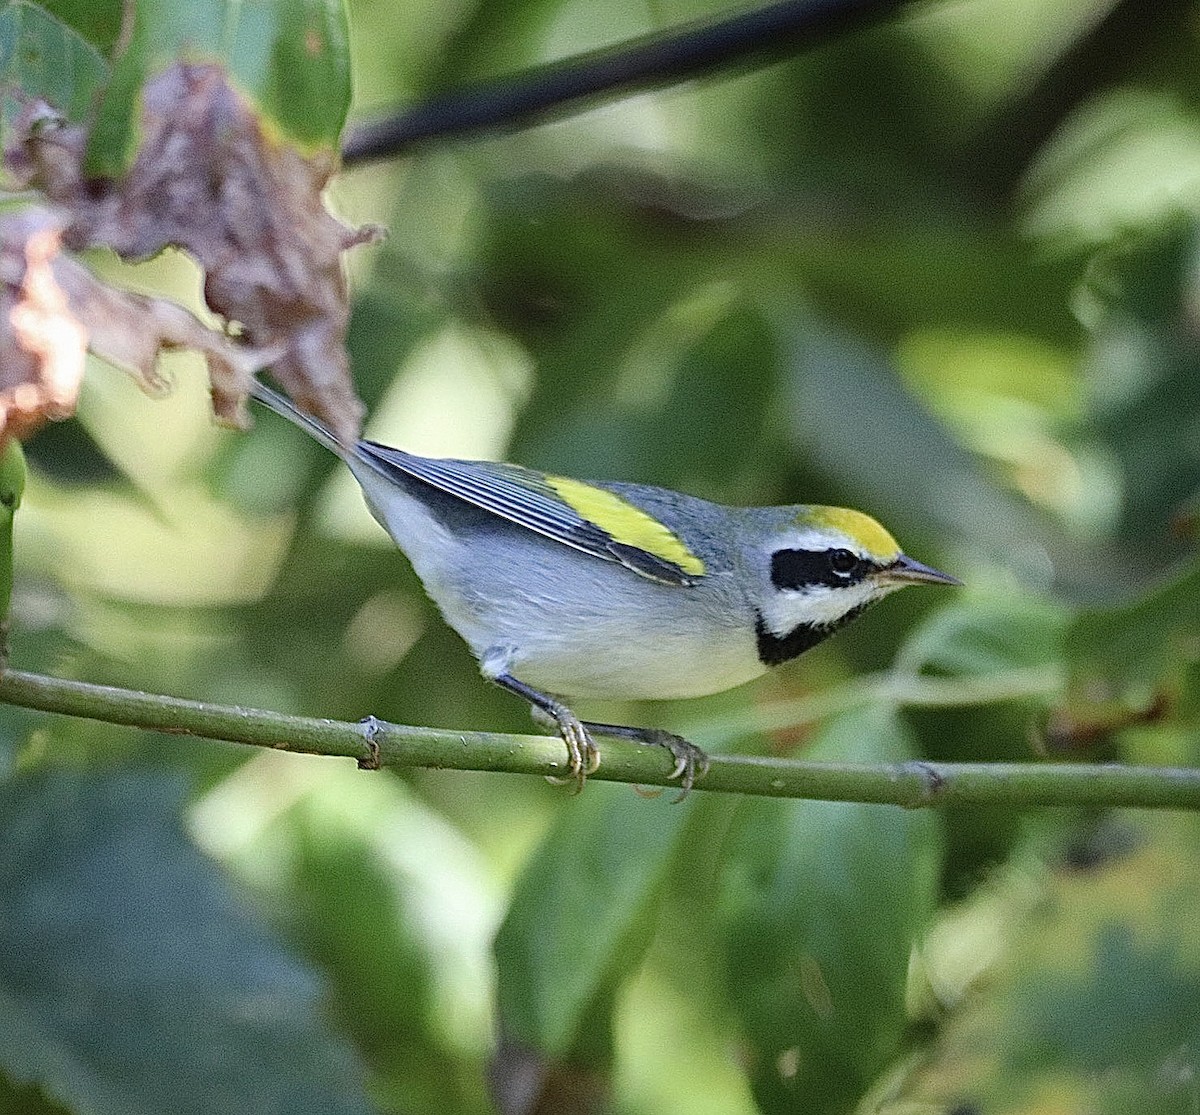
[(759, 35)]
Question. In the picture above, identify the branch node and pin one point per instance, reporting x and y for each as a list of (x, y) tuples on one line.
[(371, 727), (933, 783)]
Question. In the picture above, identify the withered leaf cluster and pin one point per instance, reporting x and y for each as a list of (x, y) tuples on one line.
[(209, 179)]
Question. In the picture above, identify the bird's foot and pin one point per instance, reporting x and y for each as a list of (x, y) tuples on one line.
[(691, 762), (583, 756)]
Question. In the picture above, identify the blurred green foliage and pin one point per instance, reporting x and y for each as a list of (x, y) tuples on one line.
[(944, 271), (818, 968)]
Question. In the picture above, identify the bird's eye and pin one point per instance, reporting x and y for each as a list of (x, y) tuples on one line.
[(842, 562)]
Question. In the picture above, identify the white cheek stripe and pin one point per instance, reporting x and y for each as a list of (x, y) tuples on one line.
[(817, 605)]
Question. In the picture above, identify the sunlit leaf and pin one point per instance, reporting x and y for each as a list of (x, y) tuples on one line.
[(581, 915), (1124, 159), (374, 887), (851, 412)]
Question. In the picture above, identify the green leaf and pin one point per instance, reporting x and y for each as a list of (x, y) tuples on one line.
[(12, 486), (1143, 380), (980, 277), (292, 58), (1122, 1015), (683, 413), (609, 314), (1122, 160), (44, 58), (1133, 648), (98, 21), (892, 450), (1126, 979), (581, 915), (130, 981), (1074, 986), (821, 909), (289, 57), (26, 1100), (985, 635)]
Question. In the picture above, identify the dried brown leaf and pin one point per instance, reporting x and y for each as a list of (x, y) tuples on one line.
[(42, 345), (209, 180), (54, 310)]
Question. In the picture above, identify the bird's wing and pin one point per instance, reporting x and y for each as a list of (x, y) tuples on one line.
[(581, 515)]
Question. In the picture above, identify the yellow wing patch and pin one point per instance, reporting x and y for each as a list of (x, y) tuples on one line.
[(627, 524), (872, 537)]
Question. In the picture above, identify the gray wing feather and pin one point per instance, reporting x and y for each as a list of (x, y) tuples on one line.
[(521, 496)]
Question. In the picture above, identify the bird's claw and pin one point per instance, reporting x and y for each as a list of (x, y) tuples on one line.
[(690, 761), (583, 756)]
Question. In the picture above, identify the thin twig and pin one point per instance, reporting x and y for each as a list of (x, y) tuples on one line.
[(759, 35), (887, 687), (911, 784)]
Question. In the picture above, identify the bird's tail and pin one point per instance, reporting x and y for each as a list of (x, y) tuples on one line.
[(283, 406)]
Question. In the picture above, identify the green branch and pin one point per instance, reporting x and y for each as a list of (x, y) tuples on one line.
[(912, 784)]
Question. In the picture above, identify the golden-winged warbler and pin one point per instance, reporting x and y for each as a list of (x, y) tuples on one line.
[(594, 589)]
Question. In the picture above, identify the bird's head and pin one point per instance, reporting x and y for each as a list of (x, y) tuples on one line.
[(822, 567)]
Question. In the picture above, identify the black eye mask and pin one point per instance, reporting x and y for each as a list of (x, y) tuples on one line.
[(800, 569)]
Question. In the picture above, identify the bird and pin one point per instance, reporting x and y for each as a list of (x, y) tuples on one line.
[(566, 588)]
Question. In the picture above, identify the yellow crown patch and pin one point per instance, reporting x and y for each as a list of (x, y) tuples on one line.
[(872, 537), (625, 523)]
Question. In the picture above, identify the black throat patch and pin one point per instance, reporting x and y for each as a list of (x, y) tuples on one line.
[(773, 650)]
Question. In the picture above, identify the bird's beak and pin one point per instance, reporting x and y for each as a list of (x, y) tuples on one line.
[(908, 571)]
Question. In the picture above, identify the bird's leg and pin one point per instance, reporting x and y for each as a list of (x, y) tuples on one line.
[(583, 758), (583, 755), (690, 761)]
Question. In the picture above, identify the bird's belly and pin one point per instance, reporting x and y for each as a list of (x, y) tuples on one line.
[(588, 628), (658, 669)]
